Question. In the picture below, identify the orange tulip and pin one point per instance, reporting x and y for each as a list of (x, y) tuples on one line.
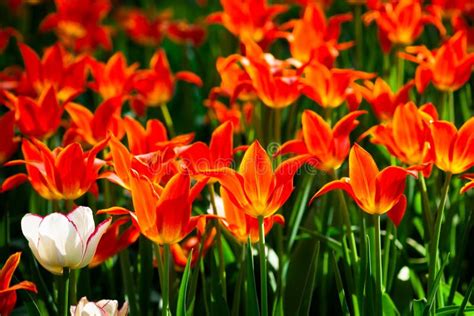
[(64, 173), (256, 188), (182, 32), (113, 78), (152, 204), (156, 85), (276, 82), (382, 99), (249, 19), (93, 128), (231, 75), (453, 149), (219, 154), (401, 22), (316, 38), (468, 185), (153, 138), (407, 137), (241, 225), (7, 292), (330, 87), (114, 240), (329, 147), (77, 23), (448, 68), (8, 141), (376, 192), (37, 118), (57, 68), (142, 28), (239, 115)]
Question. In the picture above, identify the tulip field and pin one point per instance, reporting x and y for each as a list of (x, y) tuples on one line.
[(236, 157)]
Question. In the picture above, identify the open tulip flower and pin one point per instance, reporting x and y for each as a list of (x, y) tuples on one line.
[(316, 38), (37, 118), (113, 78), (241, 225), (329, 147), (376, 192), (92, 128), (256, 188), (276, 82), (382, 99), (152, 138), (449, 67), (155, 86), (61, 241), (198, 156), (249, 19), (453, 149), (77, 23), (400, 22), (8, 292), (64, 173), (64, 72), (407, 136), (331, 87), (100, 308), (152, 204)]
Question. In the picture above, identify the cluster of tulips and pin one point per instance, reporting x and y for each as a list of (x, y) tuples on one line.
[(302, 98)]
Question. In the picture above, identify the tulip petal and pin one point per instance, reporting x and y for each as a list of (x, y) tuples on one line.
[(397, 212), (317, 133), (189, 77), (362, 172), (257, 170), (221, 145), (83, 220), (463, 147), (13, 182), (390, 184), (343, 184), (443, 135), (8, 269), (93, 241)]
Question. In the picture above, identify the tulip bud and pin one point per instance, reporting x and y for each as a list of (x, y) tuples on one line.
[(63, 241), (100, 308)]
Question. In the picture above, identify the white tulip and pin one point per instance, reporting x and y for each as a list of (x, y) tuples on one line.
[(100, 308), (63, 241)]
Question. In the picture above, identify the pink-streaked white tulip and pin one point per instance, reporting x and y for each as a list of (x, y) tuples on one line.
[(100, 308), (61, 241)]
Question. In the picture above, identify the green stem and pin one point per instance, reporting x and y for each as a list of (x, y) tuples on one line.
[(73, 276), (386, 252), (277, 126), (400, 71), (434, 246), (378, 267), (263, 267), (240, 280), (128, 282), (220, 250), (425, 201), (168, 120), (359, 36), (64, 293), (166, 274), (146, 270)]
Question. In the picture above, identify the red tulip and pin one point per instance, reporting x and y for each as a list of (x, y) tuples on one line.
[(7, 292)]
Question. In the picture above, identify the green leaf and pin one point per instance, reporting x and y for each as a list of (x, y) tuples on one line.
[(250, 287), (436, 285), (218, 303), (183, 288), (389, 308), (417, 307), (340, 286), (452, 309), (305, 303)]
